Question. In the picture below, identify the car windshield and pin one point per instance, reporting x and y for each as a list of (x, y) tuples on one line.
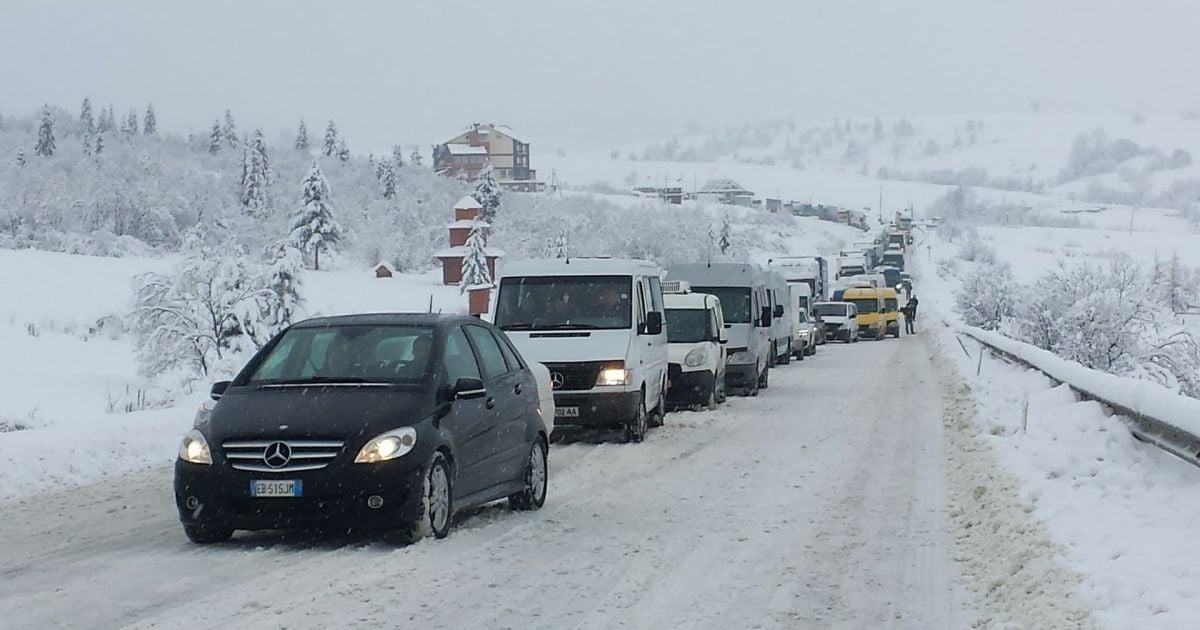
[(866, 306), (687, 325), (348, 354), (735, 302), (565, 302), (830, 310), (890, 304)]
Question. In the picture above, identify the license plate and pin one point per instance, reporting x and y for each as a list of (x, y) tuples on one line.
[(566, 412), (276, 488)]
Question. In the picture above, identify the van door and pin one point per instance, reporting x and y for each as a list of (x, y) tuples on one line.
[(657, 350)]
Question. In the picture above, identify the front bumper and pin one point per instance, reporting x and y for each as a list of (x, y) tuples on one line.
[(689, 387), (606, 410), (332, 496), (740, 376), (803, 342)]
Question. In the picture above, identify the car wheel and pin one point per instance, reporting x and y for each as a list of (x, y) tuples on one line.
[(755, 381), (436, 503), (764, 379), (659, 417), (711, 404), (787, 357), (722, 392), (635, 429), (206, 535), (536, 480)]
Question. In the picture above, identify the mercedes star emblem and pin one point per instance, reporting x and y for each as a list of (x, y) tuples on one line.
[(277, 455), (556, 380)]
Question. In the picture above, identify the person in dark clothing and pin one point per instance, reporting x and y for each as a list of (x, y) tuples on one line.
[(910, 315)]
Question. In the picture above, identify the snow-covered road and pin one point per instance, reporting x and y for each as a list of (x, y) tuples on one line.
[(821, 503)]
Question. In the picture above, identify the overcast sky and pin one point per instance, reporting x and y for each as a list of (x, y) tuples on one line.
[(593, 71)]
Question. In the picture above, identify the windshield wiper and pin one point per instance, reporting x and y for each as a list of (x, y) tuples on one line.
[(324, 380), (565, 325), (521, 326)]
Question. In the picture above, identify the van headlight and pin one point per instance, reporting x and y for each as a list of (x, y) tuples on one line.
[(613, 374), (741, 357), (194, 448), (696, 357), (387, 446)]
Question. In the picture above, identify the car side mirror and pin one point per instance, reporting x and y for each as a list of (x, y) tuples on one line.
[(466, 388), (218, 389), (764, 320), (778, 310), (654, 323)]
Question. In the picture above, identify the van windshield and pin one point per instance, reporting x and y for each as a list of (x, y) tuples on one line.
[(687, 325), (866, 306), (830, 310), (735, 302), (565, 302)]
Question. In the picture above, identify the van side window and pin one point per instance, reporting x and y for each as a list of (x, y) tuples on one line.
[(641, 304), (656, 298)]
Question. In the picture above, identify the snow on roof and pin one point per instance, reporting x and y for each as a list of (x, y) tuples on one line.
[(714, 186), (385, 265), (580, 267), (466, 224), (718, 274), (468, 203), (466, 149), (506, 130), (461, 250), (484, 130)]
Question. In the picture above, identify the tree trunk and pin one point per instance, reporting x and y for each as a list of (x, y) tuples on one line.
[(317, 259)]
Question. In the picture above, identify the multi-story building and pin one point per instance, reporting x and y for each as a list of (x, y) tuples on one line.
[(465, 155)]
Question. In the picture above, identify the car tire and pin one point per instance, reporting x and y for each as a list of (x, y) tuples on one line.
[(722, 391), (437, 504), (711, 403), (635, 429), (764, 379), (201, 535), (537, 480), (755, 379), (659, 417), (787, 357)]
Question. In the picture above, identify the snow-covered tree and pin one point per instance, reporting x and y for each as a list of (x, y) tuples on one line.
[(215, 139), (343, 152), (150, 121), (256, 175), (397, 156), (331, 140), (487, 193), (99, 143), (87, 143), (229, 130), (415, 158), (389, 179), (475, 272), (45, 141), (302, 138), (87, 123), (313, 228), (20, 156), (283, 285), (560, 244), (725, 240), (105, 121), (986, 296), (131, 124)]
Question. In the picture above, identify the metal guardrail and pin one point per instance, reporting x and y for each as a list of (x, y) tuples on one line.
[(1166, 436)]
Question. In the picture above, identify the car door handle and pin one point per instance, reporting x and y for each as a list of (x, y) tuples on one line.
[(517, 388), (491, 403)]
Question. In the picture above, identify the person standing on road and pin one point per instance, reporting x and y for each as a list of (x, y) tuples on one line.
[(910, 315)]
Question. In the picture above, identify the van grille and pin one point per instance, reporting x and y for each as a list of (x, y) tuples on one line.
[(575, 376), (285, 455)]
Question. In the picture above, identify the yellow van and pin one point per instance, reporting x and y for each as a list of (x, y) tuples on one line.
[(869, 301), (891, 312)]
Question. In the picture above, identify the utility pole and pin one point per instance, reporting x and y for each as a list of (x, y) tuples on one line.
[(881, 204)]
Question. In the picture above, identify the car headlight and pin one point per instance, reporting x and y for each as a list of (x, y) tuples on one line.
[(741, 357), (204, 413), (802, 333), (194, 448), (696, 357), (387, 446), (613, 374)]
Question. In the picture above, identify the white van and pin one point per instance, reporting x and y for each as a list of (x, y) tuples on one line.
[(696, 340), (783, 325), (841, 320), (742, 289), (597, 325), (851, 265)]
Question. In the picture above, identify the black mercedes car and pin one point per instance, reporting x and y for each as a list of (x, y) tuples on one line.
[(362, 421)]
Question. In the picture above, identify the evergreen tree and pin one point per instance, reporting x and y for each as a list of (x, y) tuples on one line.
[(398, 156), (256, 175), (283, 288), (87, 143), (215, 138), (389, 179), (415, 158), (343, 153), (150, 122), (106, 122), (487, 193), (45, 141), (302, 138), (560, 244), (20, 156), (331, 140), (229, 130), (313, 228), (475, 272), (377, 166), (99, 143), (87, 123), (725, 241)]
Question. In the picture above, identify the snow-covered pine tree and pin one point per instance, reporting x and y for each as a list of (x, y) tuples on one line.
[(487, 193), (229, 130), (302, 137), (215, 138), (87, 143), (725, 241), (389, 179), (283, 287), (87, 123), (475, 272), (45, 142), (150, 122), (415, 158), (20, 156), (376, 166), (256, 175), (99, 143), (331, 140), (313, 228), (397, 156), (343, 152), (560, 244), (131, 123)]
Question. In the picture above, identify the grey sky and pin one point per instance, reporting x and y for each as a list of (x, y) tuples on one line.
[(592, 71)]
